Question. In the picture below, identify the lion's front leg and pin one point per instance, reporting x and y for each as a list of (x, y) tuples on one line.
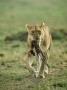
[(46, 63), (46, 69), (29, 62)]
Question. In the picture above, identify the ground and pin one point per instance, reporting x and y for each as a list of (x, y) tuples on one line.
[(14, 14)]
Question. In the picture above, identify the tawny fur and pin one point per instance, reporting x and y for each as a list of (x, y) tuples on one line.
[(41, 35)]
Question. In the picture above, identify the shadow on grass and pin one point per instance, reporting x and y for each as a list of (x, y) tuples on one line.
[(31, 82), (1, 55), (57, 34), (61, 84), (21, 36)]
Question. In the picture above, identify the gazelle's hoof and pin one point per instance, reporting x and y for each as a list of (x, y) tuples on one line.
[(42, 76), (36, 74), (46, 71)]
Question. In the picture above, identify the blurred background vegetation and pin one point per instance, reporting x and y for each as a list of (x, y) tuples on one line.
[(14, 14)]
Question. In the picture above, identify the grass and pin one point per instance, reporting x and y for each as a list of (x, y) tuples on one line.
[(14, 14)]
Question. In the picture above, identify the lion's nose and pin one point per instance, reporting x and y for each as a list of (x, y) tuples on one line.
[(34, 41), (36, 38)]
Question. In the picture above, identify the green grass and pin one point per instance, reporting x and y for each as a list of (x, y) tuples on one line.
[(14, 14)]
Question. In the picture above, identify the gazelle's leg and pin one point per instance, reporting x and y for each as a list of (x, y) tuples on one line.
[(41, 72), (39, 61), (43, 67)]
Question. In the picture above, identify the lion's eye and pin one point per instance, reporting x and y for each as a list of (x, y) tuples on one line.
[(32, 32)]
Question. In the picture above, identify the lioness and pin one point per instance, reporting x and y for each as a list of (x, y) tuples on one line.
[(39, 43)]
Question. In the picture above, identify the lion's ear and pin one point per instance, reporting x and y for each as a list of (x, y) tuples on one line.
[(28, 27), (43, 24)]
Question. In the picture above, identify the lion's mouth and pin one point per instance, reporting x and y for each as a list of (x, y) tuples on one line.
[(35, 45)]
